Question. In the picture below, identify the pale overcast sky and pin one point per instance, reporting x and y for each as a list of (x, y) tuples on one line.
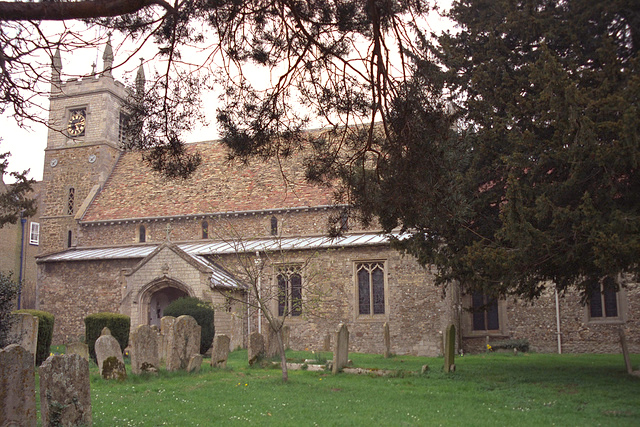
[(27, 145)]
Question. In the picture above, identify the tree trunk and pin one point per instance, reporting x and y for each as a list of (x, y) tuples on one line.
[(283, 356)]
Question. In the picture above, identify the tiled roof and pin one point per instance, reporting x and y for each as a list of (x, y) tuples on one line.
[(134, 191)]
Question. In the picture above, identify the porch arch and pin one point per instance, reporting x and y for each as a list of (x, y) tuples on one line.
[(157, 295)]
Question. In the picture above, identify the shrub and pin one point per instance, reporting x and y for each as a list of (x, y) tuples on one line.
[(118, 324), (201, 311), (45, 333), (521, 345), (8, 294)]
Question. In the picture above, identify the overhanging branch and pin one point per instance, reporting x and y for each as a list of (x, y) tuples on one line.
[(54, 11)]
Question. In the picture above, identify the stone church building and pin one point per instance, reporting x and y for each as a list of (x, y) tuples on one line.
[(116, 236)]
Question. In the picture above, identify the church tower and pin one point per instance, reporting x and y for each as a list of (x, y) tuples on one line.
[(86, 122)]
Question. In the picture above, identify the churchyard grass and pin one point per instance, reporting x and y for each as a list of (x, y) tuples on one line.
[(487, 389)]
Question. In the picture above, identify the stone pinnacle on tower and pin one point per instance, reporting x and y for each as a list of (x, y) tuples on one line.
[(140, 79), (107, 58)]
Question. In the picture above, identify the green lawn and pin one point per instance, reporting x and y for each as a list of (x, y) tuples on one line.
[(492, 389)]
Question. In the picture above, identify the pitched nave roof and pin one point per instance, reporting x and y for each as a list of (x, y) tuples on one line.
[(133, 190)]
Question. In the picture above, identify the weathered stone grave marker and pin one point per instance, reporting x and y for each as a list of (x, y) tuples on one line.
[(387, 340), (341, 349), (183, 341), (24, 332), (78, 348), (166, 325), (17, 387), (65, 395), (450, 348), (256, 347), (109, 357), (220, 351), (144, 350), (195, 362)]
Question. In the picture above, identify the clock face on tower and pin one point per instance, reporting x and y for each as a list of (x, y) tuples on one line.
[(77, 123)]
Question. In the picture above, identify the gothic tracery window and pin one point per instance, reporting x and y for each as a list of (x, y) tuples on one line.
[(289, 291), (371, 292)]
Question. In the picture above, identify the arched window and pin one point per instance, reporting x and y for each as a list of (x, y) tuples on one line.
[(205, 230), (289, 291), (274, 226), (142, 234), (70, 200)]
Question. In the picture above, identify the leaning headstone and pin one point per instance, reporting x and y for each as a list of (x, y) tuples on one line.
[(166, 325), (17, 387), (183, 341), (65, 396), (341, 349), (105, 331), (109, 357), (78, 348), (194, 363), (24, 332), (450, 348), (144, 350), (220, 351), (256, 347), (387, 340)]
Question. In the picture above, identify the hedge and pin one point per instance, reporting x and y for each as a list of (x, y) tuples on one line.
[(45, 333), (118, 324), (201, 311)]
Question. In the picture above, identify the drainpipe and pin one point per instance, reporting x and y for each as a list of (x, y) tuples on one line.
[(23, 221), (258, 261), (559, 333)]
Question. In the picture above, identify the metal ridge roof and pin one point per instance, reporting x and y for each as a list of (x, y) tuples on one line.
[(221, 247)]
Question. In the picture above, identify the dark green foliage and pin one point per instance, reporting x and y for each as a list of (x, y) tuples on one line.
[(520, 345), (14, 203), (118, 324), (8, 296), (540, 182), (201, 311), (45, 333)]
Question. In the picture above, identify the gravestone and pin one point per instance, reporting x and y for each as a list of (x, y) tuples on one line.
[(387, 340), (17, 387), (341, 349), (109, 357), (256, 347), (144, 350), (450, 348), (327, 343), (78, 348), (194, 363), (183, 341), (166, 324), (220, 351), (65, 396), (24, 332)]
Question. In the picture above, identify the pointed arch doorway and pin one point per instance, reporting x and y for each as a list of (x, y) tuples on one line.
[(158, 295)]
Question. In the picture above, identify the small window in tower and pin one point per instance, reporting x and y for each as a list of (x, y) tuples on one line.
[(69, 238), (70, 200), (122, 127), (205, 230), (143, 234), (274, 226)]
